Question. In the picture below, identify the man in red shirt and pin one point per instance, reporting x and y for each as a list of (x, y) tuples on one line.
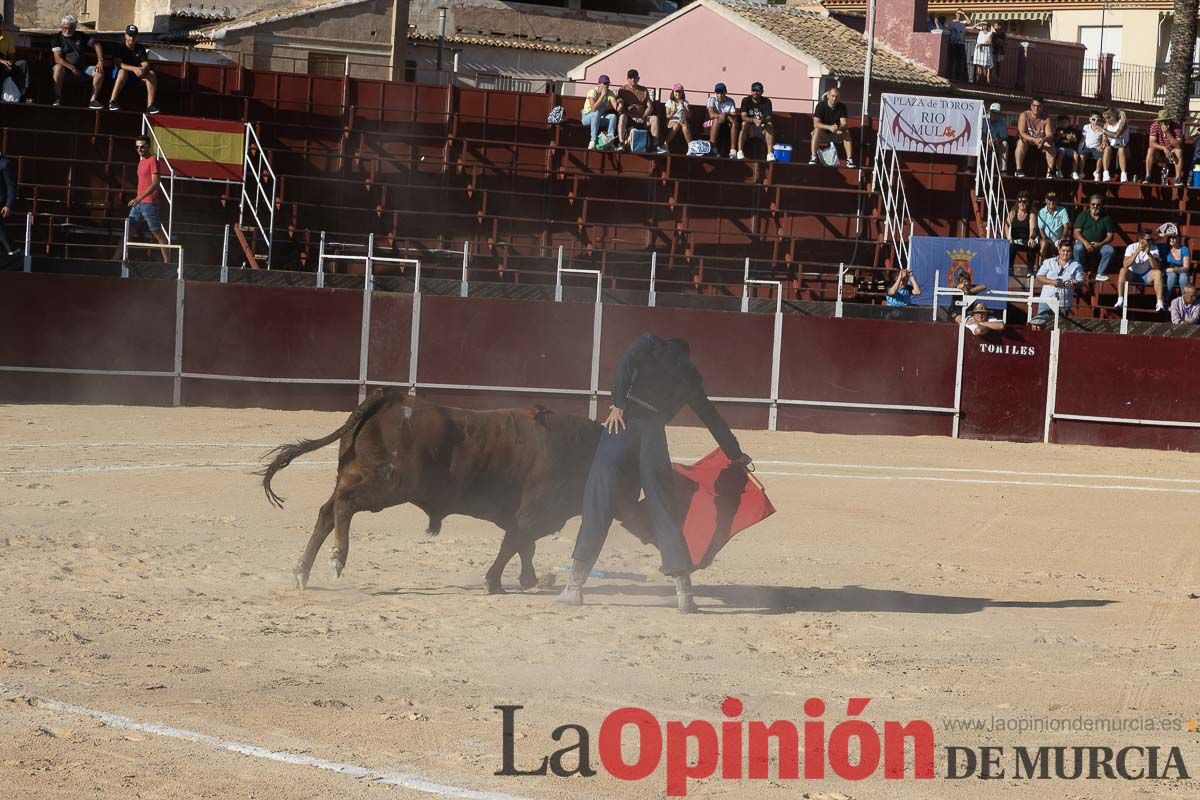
[(1166, 142), (144, 206)]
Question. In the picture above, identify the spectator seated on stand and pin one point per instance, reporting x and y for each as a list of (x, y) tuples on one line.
[(1034, 135), (1186, 307), (722, 112), (901, 293), (1054, 224), (600, 105), (757, 122), (1092, 145), (1066, 146), (132, 61), (1141, 266), (1023, 232), (70, 50), (1116, 137), (963, 284), (1057, 278), (831, 125), (996, 128), (12, 68), (980, 320), (1165, 145), (636, 111), (678, 109), (1176, 260), (1094, 230)]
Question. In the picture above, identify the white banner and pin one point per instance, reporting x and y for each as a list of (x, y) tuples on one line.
[(916, 123)]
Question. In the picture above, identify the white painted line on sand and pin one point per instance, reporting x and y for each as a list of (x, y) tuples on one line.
[(1108, 477), (167, 445), (150, 467), (981, 481), (401, 779)]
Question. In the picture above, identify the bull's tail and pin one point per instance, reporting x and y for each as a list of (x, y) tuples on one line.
[(283, 455)]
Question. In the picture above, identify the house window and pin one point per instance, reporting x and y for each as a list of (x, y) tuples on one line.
[(1093, 36), (326, 64)]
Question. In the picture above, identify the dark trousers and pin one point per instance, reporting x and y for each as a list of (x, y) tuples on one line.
[(20, 76), (641, 446), (6, 244)]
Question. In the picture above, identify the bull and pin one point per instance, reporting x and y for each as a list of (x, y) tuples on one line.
[(522, 470)]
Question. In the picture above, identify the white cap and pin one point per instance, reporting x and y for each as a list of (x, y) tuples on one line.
[(994, 107)]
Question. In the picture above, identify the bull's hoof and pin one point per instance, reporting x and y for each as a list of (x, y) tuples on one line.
[(432, 531), (527, 582), (546, 581), (300, 578), (493, 587), (336, 565)]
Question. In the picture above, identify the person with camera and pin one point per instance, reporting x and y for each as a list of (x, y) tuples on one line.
[(903, 289), (1141, 265), (1057, 276)]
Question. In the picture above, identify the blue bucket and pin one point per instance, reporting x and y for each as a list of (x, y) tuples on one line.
[(1196, 176), (783, 152)]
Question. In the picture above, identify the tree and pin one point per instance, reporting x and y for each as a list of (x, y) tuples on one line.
[(1179, 68)]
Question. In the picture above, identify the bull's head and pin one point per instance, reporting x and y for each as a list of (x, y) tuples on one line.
[(538, 413)]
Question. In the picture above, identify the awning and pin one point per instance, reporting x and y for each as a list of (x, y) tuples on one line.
[(1030, 16)]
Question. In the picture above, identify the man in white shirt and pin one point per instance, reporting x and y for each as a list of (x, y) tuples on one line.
[(1141, 266), (1057, 276), (722, 111)]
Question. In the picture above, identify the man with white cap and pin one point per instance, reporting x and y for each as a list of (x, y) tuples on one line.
[(70, 49), (995, 127)]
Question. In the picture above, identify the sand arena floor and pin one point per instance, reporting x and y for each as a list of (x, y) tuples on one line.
[(144, 575)]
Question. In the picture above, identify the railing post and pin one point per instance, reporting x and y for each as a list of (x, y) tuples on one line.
[(364, 339), (837, 307), (746, 286), (1125, 309), (463, 289), (653, 277), (321, 263), (28, 265), (558, 292), (125, 250), (225, 257), (180, 288), (1052, 377), (937, 283)]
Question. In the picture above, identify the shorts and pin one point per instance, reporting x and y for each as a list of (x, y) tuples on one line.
[(1142, 279), (1091, 152), (147, 213), (753, 130), (1117, 144)]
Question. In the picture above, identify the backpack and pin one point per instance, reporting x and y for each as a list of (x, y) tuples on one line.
[(699, 147), (555, 116)]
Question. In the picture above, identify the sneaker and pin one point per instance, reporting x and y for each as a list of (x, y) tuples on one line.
[(1096, 176), (850, 163), (1058, 173), (1107, 176), (739, 155), (151, 109), (592, 145), (1179, 181), (812, 162), (1018, 174), (113, 107), (1158, 306), (1074, 176), (733, 153), (95, 105), (661, 150), (770, 156), (1101, 278), (1124, 178), (1120, 302), (56, 103), (1144, 180)]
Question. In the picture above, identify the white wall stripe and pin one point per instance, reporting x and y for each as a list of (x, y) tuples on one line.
[(150, 467), (401, 779), (980, 482), (889, 468)]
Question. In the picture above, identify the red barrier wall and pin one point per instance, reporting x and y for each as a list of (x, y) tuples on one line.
[(390, 337), (1140, 377), (72, 322), (1004, 385), (867, 361), (731, 350)]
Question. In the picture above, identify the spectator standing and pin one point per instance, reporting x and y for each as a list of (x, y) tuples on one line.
[(1186, 308), (831, 118), (1057, 276), (1165, 143), (678, 109), (1116, 135), (903, 289), (957, 30), (1023, 232), (1141, 266), (983, 53), (1054, 224), (1176, 260), (1066, 145), (70, 50), (9, 192), (756, 121), (996, 128), (144, 206), (1093, 145), (600, 105), (636, 110), (722, 111), (1094, 230), (10, 65), (132, 59), (999, 42), (1034, 134)]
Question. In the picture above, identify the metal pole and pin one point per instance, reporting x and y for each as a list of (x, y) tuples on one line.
[(597, 332), (28, 265), (321, 263), (937, 282), (558, 277), (463, 287), (177, 385), (441, 41), (1125, 309), (864, 121), (364, 339), (125, 250), (776, 357), (1052, 377), (653, 277), (414, 336), (958, 376), (225, 257), (837, 307), (746, 287)]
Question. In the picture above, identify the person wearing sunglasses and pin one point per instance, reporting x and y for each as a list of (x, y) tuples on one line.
[(1094, 232), (1092, 146), (144, 206)]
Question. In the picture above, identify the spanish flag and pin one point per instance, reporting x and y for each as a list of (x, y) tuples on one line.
[(201, 148)]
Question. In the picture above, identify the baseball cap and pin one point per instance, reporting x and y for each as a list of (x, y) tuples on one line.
[(994, 107), (756, 87), (603, 79), (131, 30), (720, 87), (677, 87), (633, 73)]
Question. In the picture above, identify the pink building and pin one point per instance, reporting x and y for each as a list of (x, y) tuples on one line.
[(796, 52)]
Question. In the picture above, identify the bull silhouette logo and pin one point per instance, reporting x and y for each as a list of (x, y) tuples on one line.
[(960, 266)]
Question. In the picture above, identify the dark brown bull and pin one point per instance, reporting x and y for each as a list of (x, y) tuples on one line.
[(522, 470)]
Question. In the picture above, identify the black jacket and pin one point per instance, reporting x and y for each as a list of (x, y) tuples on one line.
[(656, 377)]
